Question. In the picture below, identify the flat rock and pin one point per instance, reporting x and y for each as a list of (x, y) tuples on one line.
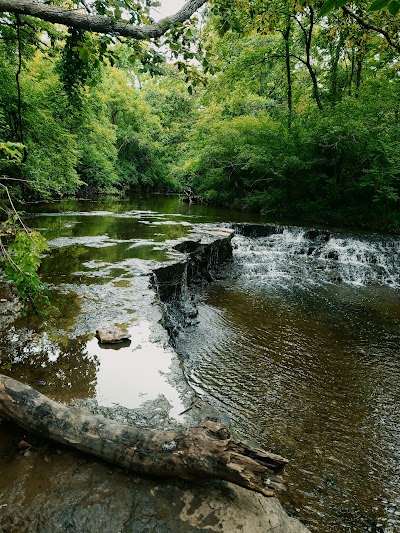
[(82, 495), (112, 334)]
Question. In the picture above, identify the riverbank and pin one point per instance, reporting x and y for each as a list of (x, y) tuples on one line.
[(48, 488)]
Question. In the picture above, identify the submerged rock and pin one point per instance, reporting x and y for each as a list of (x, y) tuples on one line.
[(257, 230), (320, 235)]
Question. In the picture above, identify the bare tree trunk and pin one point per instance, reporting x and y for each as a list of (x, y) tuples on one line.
[(335, 51), (286, 36), (350, 83), (314, 80), (308, 35), (358, 77), (197, 453)]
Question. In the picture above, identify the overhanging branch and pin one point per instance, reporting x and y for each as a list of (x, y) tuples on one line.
[(98, 23), (372, 27)]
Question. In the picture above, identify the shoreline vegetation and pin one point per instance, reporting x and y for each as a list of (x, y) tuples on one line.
[(274, 109)]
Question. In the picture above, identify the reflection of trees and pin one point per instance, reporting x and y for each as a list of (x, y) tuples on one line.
[(60, 315), (65, 365), (114, 226), (61, 263)]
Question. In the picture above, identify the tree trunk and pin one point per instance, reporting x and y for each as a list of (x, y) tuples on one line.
[(358, 77), (350, 84), (286, 36), (98, 23), (197, 453), (308, 35)]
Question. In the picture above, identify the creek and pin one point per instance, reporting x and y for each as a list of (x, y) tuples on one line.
[(297, 341)]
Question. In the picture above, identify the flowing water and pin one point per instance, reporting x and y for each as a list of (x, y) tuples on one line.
[(300, 346), (298, 342)]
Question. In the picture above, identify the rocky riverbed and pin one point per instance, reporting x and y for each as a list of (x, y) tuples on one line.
[(47, 488)]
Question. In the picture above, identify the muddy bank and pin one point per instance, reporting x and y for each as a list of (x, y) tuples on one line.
[(51, 489)]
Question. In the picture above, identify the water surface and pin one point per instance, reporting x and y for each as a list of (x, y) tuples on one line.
[(298, 342), (308, 366)]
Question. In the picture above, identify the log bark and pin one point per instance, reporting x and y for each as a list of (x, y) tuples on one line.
[(197, 453), (98, 23)]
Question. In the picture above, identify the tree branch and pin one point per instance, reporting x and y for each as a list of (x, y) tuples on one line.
[(98, 23), (369, 26)]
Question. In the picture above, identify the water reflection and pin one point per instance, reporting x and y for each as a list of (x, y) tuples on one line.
[(152, 207), (61, 368), (70, 264), (98, 265), (107, 226), (134, 373), (69, 368)]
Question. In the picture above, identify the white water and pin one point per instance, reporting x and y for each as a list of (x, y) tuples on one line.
[(291, 258)]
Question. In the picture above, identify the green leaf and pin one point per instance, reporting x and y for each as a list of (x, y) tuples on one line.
[(21, 263), (394, 7), (378, 4), (190, 90), (341, 3), (328, 6), (11, 151)]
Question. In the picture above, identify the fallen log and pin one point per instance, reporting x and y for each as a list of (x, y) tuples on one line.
[(197, 453)]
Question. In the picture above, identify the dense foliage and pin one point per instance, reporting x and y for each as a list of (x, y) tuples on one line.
[(302, 117), (279, 107)]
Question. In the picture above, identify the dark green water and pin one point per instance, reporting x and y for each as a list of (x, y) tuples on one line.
[(304, 366)]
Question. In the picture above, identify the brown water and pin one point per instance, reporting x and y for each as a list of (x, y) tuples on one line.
[(311, 370), (303, 365)]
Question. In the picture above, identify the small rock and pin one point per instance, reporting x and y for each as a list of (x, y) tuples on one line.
[(23, 445), (333, 254), (112, 334), (41, 383), (193, 313)]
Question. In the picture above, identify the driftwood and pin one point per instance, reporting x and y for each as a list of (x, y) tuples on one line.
[(190, 197), (197, 453)]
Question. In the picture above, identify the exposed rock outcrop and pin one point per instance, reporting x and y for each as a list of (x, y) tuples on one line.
[(202, 251), (77, 493), (257, 230), (112, 334), (81, 495)]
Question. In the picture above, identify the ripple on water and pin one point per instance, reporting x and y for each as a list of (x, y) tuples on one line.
[(311, 374)]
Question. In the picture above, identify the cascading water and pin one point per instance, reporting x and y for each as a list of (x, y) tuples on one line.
[(295, 256)]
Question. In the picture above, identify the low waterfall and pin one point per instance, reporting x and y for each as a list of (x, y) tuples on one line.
[(291, 255)]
